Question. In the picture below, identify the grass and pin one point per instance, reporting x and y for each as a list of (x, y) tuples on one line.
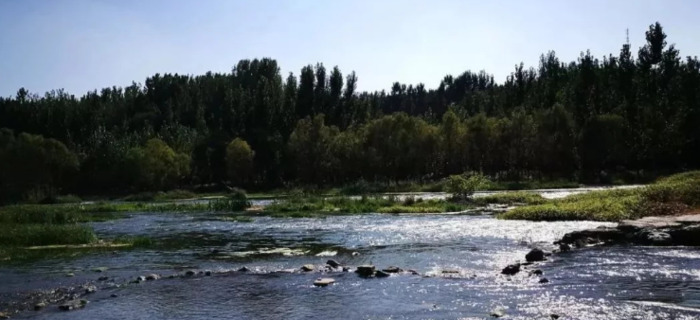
[(310, 206), (25, 235), (667, 196), (515, 197)]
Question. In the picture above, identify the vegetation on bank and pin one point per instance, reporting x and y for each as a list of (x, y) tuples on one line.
[(667, 196), (593, 120)]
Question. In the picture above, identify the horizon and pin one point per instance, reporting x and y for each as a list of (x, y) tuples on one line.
[(81, 46)]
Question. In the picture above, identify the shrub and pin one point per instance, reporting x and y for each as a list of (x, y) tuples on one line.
[(462, 188)]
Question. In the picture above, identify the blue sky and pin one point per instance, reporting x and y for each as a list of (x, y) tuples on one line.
[(80, 45)]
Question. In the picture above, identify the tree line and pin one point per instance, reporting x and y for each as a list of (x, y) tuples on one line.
[(585, 120)]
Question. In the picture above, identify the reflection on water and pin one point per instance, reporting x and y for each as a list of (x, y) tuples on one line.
[(596, 283)]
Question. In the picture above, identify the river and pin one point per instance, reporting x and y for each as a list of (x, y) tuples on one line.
[(596, 283)]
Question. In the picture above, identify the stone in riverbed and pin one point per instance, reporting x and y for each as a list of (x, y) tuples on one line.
[(498, 313), (535, 255), (658, 238), (190, 273), (72, 305), (511, 269), (308, 268), (4, 315), (392, 269), (333, 263), (365, 270), (544, 280), (564, 247), (100, 269), (152, 277), (243, 269), (381, 274), (39, 306), (554, 316), (102, 278), (322, 282), (90, 289)]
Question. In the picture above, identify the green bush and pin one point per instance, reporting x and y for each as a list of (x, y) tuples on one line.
[(462, 188), (42, 234)]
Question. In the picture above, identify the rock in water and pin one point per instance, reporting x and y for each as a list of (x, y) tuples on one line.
[(381, 274), (554, 316), (392, 269), (243, 269), (322, 282), (535, 255), (564, 247), (39, 306), (72, 305), (4, 315), (152, 277), (90, 289), (537, 272), (307, 268), (191, 273), (365, 270), (544, 280), (511, 269), (333, 263), (659, 238), (498, 312)]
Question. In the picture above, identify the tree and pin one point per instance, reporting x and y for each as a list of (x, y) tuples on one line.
[(239, 161), (156, 166)]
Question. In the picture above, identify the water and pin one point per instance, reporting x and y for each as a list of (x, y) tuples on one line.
[(597, 283)]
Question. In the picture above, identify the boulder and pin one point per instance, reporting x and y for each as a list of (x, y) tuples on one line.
[(563, 247), (100, 269), (535, 255), (114, 295), (537, 272), (413, 272), (354, 254), (332, 263), (90, 289), (4, 315), (152, 277), (207, 273), (308, 268), (392, 269), (322, 282), (498, 313), (102, 278), (39, 306), (365, 270), (381, 274), (554, 316), (511, 269), (140, 279), (657, 238), (243, 269), (544, 280)]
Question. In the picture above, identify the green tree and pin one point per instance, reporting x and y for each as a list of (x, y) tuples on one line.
[(239, 161)]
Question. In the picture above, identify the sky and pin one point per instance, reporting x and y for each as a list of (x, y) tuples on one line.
[(82, 45)]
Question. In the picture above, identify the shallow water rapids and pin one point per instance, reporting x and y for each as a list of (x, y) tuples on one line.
[(594, 283)]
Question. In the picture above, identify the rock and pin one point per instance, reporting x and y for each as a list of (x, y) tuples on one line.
[(152, 277), (564, 247), (308, 268), (333, 263), (102, 278), (39, 306), (544, 280), (90, 289), (191, 273), (365, 270), (498, 312), (448, 271), (554, 316), (658, 238), (381, 274), (72, 305), (114, 295), (354, 254), (207, 273), (511, 269), (392, 269), (413, 272), (140, 279), (346, 269), (322, 282), (100, 269), (537, 272), (535, 255), (243, 269), (70, 274), (4, 315)]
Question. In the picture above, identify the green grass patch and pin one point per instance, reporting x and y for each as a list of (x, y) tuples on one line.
[(667, 196), (313, 206), (26, 235), (515, 197)]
